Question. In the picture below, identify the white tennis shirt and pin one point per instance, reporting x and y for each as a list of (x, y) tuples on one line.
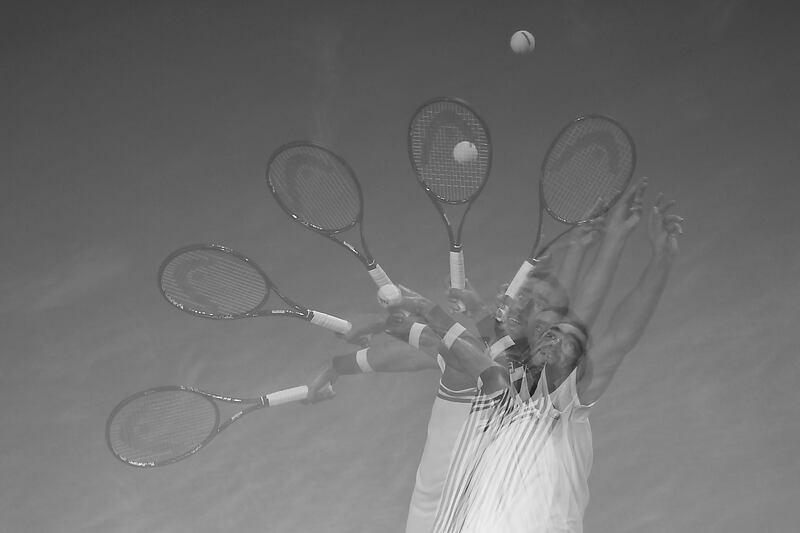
[(520, 466)]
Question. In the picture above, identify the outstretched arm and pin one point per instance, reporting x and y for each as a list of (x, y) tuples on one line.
[(623, 217), (389, 356), (632, 315), (580, 241)]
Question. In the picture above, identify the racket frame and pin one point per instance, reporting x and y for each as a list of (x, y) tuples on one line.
[(534, 257), (295, 310), (293, 394), (457, 277), (453, 235), (364, 256)]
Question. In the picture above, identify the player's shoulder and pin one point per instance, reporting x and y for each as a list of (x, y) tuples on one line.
[(456, 380)]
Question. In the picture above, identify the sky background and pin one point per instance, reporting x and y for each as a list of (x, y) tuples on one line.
[(133, 128)]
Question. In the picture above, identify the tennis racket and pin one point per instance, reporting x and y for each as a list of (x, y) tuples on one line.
[(160, 426), (318, 189), (212, 281), (451, 153), (592, 159)]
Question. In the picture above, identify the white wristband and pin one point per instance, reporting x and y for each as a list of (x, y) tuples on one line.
[(500, 346), (362, 362), (452, 334), (415, 333)]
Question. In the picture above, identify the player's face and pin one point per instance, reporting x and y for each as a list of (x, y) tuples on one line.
[(539, 322), (555, 347)]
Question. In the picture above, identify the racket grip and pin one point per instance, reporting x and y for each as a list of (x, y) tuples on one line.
[(457, 274), (331, 322), (295, 394), (519, 278), (379, 276)]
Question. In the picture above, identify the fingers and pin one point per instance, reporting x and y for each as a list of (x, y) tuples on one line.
[(635, 193), (640, 188), (662, 209), (599, 206), (674, 228), (455, 293), (324, 393)]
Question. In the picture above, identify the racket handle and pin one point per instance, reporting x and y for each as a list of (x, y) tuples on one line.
[(330, 322), (519, 278), (457, 273), (295, 394), (458, 276), (379, 276)]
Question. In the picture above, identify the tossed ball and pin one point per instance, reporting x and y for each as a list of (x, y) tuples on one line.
[(522, 42), (465, 152), (389, 295)]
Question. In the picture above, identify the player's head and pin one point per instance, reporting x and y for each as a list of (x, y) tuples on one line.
[(562, 344)]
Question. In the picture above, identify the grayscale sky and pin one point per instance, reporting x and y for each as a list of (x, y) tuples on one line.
[(133, 128)]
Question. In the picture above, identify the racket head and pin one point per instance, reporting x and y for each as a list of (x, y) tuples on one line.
[(160, 426), (592, 157), (316, 187), (213, 281), (435, 129)]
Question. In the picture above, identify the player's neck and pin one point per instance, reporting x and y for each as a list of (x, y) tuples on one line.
[(556, 375)]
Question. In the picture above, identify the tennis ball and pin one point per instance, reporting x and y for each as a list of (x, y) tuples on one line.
[(389, 295), (465, 152), (522, 42)]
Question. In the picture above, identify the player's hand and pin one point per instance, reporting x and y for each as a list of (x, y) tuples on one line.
[(663, 228), (398, 324), (588, 233), (364, 327), (321, 385), (472, 304), (412, 302), (627, 212)]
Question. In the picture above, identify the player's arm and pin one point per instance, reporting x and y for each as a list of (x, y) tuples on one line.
[(631, 316), (364, 327), (620, 221), (474, 307), (580, 242), (380, 357), (465, 351)]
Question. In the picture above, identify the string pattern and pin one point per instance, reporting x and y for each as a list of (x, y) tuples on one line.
[(316, 187), (213, 283), (161, 426), (591, 161), (434, 132)]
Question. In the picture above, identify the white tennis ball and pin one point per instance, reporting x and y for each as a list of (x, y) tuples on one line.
[(522, 42), (389, 295), (465, 152)]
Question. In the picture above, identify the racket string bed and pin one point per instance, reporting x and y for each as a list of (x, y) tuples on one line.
[(162, 425), (592, 161), (451, 123), (213, 282), (317, 188)]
